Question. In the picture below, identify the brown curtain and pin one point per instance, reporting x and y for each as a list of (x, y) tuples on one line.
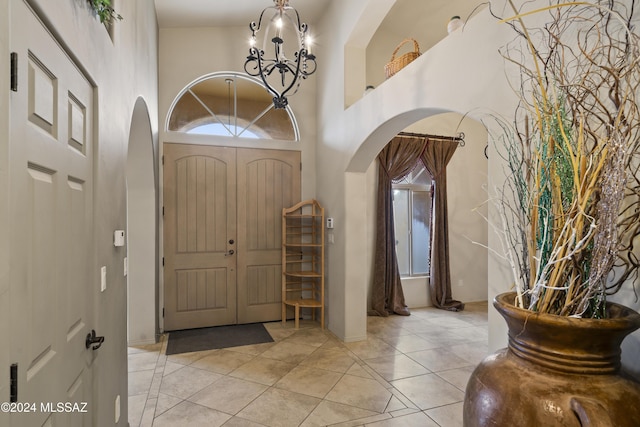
[(396, 160), (435, 157)]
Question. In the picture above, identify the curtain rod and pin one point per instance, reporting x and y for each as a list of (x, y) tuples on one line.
[(459, 138)]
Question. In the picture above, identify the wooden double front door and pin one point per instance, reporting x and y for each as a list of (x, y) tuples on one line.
[(222, 233)]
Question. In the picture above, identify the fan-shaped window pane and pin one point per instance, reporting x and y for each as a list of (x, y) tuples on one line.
[(230, 105), (220, 130)]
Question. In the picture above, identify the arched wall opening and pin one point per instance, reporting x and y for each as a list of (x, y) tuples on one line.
[(142, 230), (464, 72), (467, 181)]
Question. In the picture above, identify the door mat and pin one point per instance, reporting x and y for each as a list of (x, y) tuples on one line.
[(217, 337)]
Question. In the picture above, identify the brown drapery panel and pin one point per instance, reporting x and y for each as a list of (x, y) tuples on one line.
[(435, 157), (396, 160)]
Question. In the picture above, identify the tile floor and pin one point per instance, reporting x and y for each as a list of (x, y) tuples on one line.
[(411, 371)]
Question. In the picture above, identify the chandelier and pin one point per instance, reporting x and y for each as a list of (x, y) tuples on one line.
[(291, 62)]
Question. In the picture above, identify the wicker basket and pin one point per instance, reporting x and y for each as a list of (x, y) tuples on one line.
[(397, 64)]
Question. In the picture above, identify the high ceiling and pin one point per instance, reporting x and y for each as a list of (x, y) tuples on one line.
[(221, 13), (423, 20), (227, 13)]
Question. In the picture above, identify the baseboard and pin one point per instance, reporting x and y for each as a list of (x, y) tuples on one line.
[(141, 342)]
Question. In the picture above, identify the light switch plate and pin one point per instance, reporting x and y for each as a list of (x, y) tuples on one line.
[(117, 409), (118, 238), (103, 279)]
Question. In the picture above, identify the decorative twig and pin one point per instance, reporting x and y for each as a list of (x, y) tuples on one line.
[(570, 206)]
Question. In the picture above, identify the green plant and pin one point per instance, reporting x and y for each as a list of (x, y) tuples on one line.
[(570, 206), (105, 11)]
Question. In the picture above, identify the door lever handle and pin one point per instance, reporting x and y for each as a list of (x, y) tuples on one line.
[(93, 339), (231, 252)]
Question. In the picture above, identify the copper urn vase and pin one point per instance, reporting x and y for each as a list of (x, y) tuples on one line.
[(556, 371)]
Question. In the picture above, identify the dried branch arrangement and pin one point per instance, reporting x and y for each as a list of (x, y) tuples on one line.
[(570, 206)]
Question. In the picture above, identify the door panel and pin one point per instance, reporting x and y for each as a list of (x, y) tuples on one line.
[(52, 288), (268, 180), (200, 223), (222, 225)]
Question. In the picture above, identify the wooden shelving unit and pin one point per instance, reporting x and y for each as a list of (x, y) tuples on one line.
[(303, 259)]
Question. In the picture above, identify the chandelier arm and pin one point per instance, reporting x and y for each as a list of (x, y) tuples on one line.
[(256, 27), (264, 73), (256, 56), (251, 73), (269, 69), (313, 70), (296, 74), (302, 27)]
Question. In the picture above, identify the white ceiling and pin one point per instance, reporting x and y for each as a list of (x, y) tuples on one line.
[(424, 20), (223, 13), (227, 13)]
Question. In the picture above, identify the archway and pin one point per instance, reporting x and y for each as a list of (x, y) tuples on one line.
[(142, 230), (467, 176)]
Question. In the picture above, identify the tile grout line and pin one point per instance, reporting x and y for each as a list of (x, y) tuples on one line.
[(153, 393)]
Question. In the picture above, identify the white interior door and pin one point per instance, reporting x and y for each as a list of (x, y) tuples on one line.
[(52, 288)]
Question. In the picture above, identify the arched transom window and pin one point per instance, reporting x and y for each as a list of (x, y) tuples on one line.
[(230, 104)]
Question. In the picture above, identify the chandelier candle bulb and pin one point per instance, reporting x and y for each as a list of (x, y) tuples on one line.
[(279, 27)]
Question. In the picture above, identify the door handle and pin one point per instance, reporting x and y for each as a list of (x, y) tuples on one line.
[(93, 339), (231, 252)]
